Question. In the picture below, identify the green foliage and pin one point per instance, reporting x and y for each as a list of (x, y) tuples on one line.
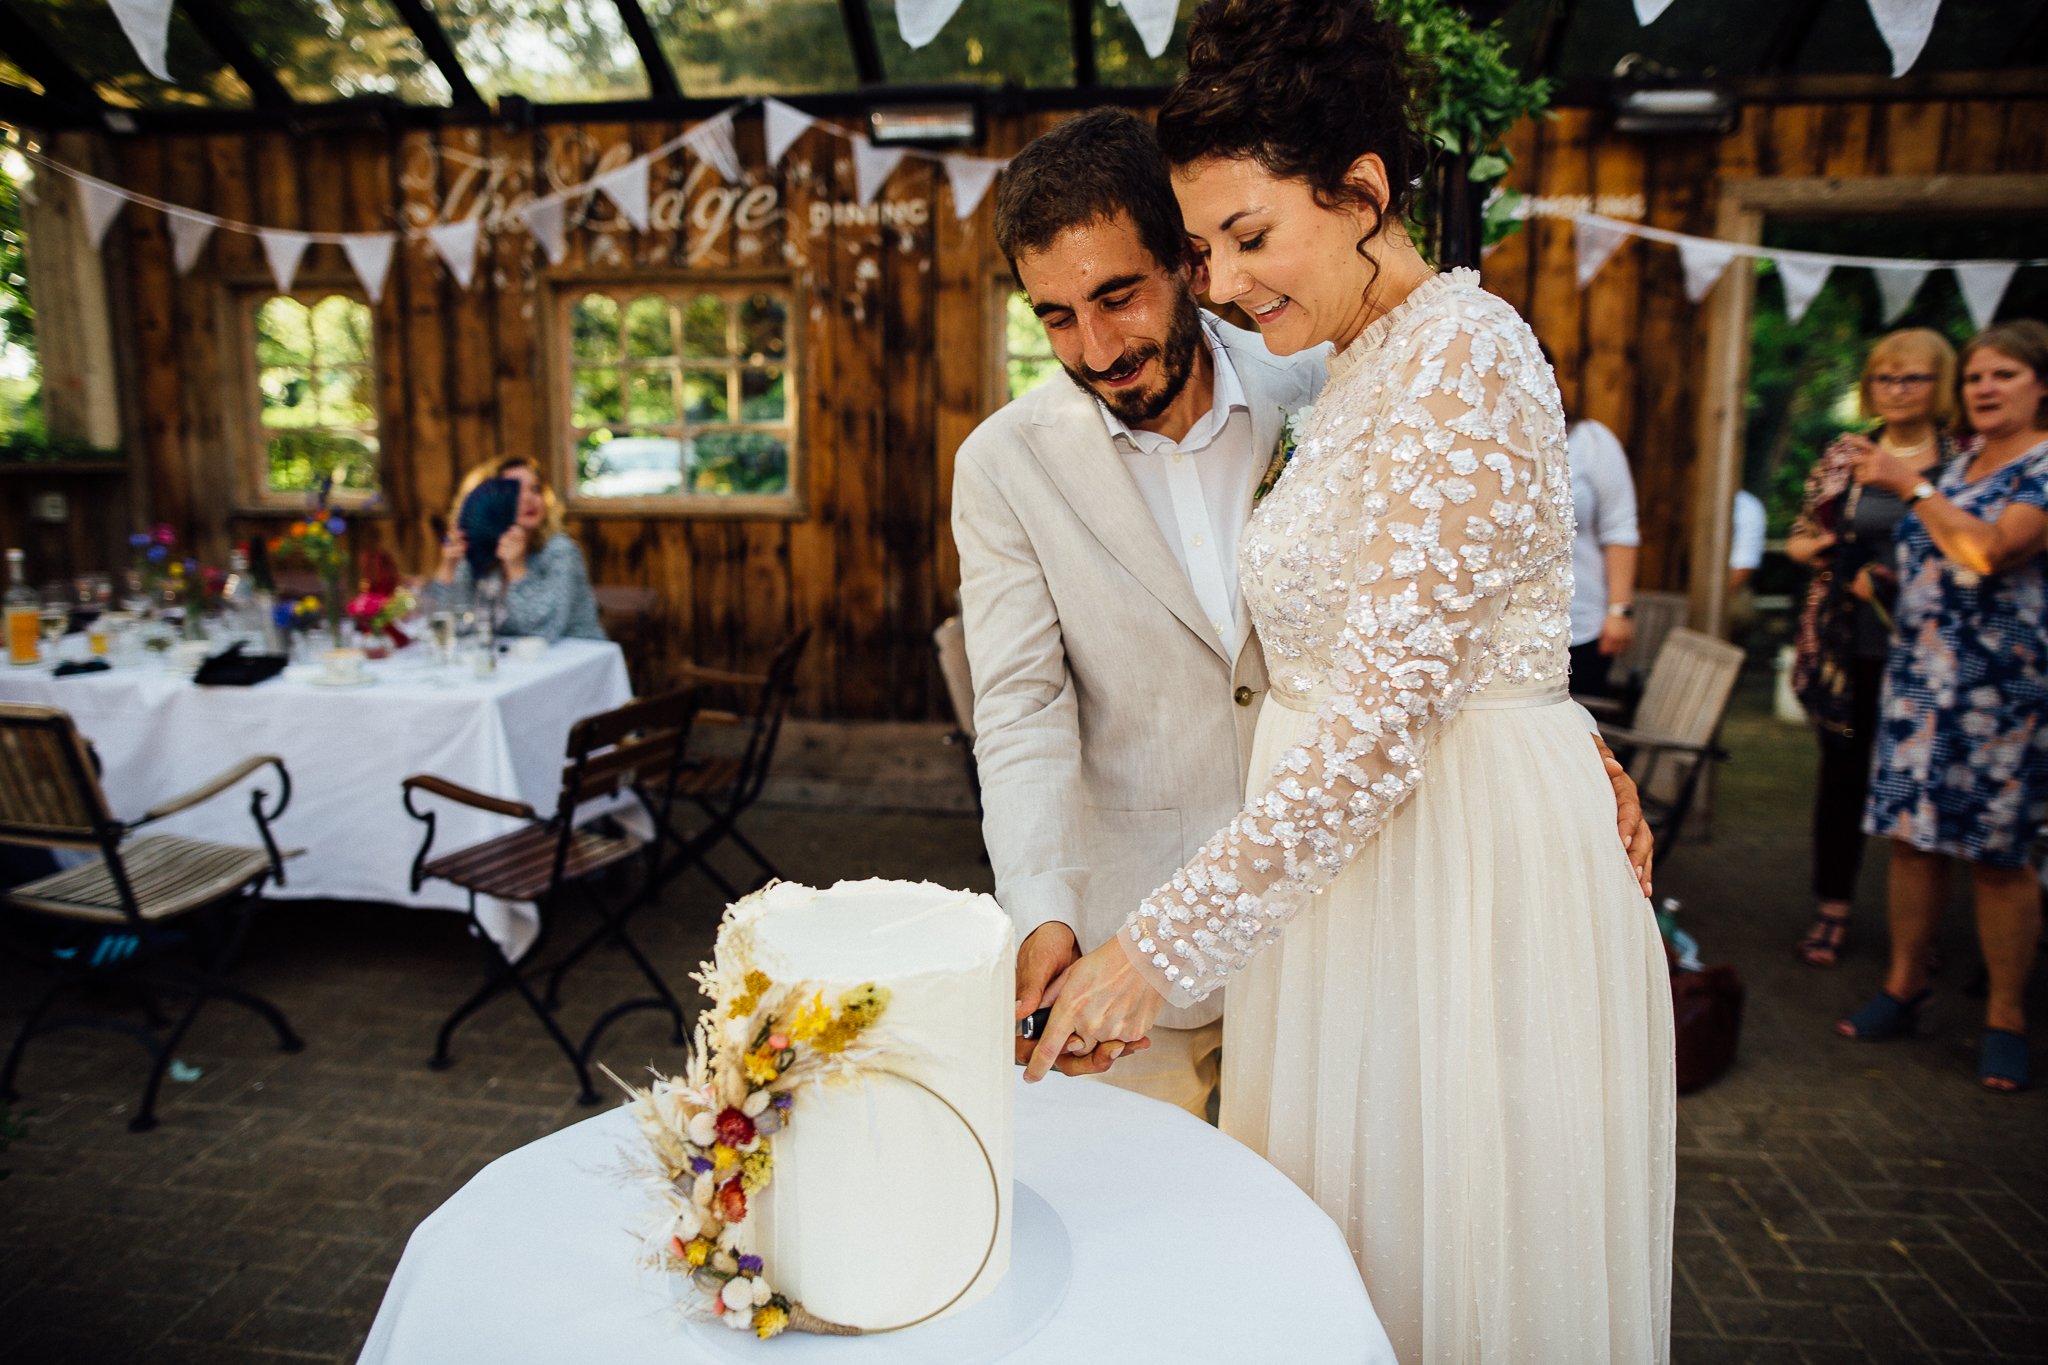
[(21, 409), (1031, 360), (35, 447), (301, 461), (727, 462)]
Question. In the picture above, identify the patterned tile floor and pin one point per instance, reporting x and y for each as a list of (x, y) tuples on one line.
[(1837, 1202)]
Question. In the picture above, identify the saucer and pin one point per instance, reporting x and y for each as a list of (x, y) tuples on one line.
[(326, 680)]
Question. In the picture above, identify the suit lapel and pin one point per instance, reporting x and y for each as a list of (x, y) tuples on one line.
[(1073, 445)]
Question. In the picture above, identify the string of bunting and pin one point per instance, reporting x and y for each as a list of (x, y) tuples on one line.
[(626, 186), (1903, 24), (1705, 259)]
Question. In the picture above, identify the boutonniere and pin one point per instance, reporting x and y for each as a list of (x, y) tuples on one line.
[(1283, 451)]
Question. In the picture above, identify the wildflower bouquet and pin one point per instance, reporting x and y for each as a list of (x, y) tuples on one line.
[(380, 612), (316, 541)]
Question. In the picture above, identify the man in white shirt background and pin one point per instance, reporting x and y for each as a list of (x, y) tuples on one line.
[(1603, 552)]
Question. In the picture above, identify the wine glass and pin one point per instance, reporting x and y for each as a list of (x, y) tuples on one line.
[(442, 623), (55, 613)]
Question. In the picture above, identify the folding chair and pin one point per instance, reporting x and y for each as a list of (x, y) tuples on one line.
[(637, 748), (628, 615), (119, 909), (725, 787), (1672, 736)]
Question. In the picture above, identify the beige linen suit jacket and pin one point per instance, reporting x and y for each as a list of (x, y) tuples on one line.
[(1112, 726)]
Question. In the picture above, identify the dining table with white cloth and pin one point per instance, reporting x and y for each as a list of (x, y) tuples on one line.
[(348, 749), (1185, 1245)]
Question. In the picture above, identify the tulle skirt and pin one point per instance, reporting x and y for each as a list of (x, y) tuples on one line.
[(1463, 1052)]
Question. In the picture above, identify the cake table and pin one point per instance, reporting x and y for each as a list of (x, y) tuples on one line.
[(1185, 1245)]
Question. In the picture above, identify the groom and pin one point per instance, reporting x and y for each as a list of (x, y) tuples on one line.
[(1116, 676)]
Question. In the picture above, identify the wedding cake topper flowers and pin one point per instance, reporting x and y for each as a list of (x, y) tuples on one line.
[(1291, 424)]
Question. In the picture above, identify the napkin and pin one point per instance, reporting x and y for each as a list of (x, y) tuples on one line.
[(232, 668), (486, 514), (72, 670)]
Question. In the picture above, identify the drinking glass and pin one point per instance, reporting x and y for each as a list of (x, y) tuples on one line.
[(56, 612), (442, 624)]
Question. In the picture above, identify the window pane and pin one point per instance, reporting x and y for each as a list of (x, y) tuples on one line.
[(647, 328), (704, 327), (754, 47), (289, 399), (299, 460), (639, 465), (284, 333), (651, 397), (346, 397), (326, 50), (705, 398), (739, 462), (1026, 375), (987, 41), (596, 398), (546, 50), (763, 322), (761, 396), (594, 327), (21, 370), (88, 36), (341, 331)]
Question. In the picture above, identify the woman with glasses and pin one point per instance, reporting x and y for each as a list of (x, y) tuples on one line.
[(1844, 534), (1962, 742)]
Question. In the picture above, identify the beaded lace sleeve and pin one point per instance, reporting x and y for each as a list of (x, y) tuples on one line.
[(1404, 558)]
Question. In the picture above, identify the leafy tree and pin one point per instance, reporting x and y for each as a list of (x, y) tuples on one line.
[(21, 409)]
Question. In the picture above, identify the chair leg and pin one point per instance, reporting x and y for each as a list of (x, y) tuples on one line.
[(494, 986), (506, 974), (615, 926), (28, 1031), (145, 1118), (768, 869), (287, 1040)]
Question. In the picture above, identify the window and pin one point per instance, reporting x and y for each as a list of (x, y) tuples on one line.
[(21, 370), (1027, 355), (316, 397), (683, 394)]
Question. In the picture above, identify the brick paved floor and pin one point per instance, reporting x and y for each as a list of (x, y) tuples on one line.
[(1837, 1202)]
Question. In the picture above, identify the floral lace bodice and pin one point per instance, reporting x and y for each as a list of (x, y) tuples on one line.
[(1416, 552)]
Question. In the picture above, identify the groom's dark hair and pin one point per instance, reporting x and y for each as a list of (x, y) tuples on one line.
[(1087, 170)]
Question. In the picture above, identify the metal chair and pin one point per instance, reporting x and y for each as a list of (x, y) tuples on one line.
[(1672, 737), (725, 787), (119, 908), (949, 642), (638, 748)]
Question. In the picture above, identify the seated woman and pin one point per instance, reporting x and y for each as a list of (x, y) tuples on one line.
[(547, 590)]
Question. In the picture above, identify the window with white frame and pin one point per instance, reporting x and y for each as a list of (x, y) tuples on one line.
[(682, 395)]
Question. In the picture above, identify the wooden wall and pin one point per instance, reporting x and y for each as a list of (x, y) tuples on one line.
[(1630, 348), (896, 334)]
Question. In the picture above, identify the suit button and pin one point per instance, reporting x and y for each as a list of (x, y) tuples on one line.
[(1243, 696)]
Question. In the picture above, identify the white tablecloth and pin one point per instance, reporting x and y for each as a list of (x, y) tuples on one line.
[(1186, 1247), (347, 749)]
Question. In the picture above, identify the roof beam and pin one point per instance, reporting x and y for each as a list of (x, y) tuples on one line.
[(661, 77), (219, 29), (1081, 24), (1557, 16), (439, 51), (860, 36), (62, 86), (1788, 40)]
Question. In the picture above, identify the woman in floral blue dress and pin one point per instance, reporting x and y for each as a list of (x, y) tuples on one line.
[(1962, 745)]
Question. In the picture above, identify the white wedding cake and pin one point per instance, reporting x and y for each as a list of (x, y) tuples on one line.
[(882, 1206)]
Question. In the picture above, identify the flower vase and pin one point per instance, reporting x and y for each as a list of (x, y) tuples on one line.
[(194, 625), (337, 617)]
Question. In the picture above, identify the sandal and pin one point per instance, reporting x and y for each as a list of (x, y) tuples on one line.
[(1825, 942), (1883, 1017), (2003, 1065)]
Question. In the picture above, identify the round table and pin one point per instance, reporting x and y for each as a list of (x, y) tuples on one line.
[(1186, 1247)]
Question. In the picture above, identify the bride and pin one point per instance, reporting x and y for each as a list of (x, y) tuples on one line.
[(1449, 1017)]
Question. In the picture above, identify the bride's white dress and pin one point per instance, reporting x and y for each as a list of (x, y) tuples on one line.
[(1449, 1019)]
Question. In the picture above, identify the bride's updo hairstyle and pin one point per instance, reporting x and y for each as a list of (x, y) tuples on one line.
[(1304, 88)]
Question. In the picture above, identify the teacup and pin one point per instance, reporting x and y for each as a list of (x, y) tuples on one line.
[(343, 665), (188, 655), (527, 648)]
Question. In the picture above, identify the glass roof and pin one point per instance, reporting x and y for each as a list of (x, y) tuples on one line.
[(86, 34), (549, 51), (731, 48), (986, 42), (327, 50)]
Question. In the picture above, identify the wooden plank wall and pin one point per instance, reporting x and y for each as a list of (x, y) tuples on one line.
[(894, 323), (1628, 346)]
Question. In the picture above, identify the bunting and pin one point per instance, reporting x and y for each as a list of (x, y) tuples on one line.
[(1903, 24), (1595, 241), (785, 124), (1983, 285), (148, 26), (1803, 277), (284, 249), (1896, 286), (712, 141), (546, 219), (99, 202), (189, 234), (919, 21), (970, 177), (457, 244), (872, 167), (626, 187), (1704, 262), (1154, 21), (369, 255)]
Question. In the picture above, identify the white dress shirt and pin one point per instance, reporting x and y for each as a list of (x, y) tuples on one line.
[(1199, 491)]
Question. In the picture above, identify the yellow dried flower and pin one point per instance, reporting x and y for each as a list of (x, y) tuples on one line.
[(697, 1252), (757, 984), (756, 1169), (761, 1067), (769, 1321), (723, 1159), (809, 1019)]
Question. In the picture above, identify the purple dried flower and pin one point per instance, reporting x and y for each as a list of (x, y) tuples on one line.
[(336, 525), (700, 1164), (138, 539), (158, 554), (750, 1265), (783, 1101)]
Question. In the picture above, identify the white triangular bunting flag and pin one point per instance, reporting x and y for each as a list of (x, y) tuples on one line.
[(712, 140), (1803, 277), (1904, 26), (627, 187), (1595, 241), (284, 250), (148, 26), (872, 167), (1983, 284), (545, 219), (1704, 262), (1154, 21), (1648, 10), (970, 177), (189, 233), (1896, 286), (369, 255), (100, 202), (784, 124), (457, 244), (919, 21)]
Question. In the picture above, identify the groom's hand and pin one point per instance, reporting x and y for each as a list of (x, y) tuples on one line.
[(1042, 958), (1628, 816)]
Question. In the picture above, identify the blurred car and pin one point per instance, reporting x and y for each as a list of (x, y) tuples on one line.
[(635, 467)]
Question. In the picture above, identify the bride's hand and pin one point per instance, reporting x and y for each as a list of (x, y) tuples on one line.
[(1101, 998)]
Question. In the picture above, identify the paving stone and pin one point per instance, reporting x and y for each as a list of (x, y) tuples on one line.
[(1782, 1322)]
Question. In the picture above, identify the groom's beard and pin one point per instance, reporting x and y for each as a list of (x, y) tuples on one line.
[(1135, 407)]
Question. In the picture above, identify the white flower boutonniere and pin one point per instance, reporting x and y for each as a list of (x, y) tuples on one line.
[(1283, 451)]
